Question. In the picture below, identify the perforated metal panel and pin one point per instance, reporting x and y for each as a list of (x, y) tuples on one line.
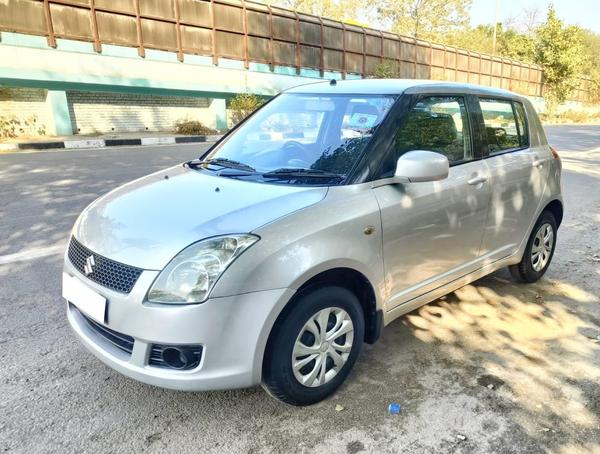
[(116, 29), (70, 22), (229, 28), (106, 272)]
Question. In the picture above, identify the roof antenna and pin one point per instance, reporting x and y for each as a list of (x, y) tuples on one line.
[(333, 82)]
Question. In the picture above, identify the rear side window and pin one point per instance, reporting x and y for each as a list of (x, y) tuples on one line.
[(437, 123), (521, 125), (501, 127)]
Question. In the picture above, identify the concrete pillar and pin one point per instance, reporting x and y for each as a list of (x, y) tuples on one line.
[(217, 106), (57, 99)]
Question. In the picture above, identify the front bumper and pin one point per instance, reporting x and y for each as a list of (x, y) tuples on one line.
[(232, 331)]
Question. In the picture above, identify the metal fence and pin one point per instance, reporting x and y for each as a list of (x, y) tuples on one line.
[(254, 32)]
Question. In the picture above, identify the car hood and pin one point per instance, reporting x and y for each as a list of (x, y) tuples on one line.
[(145, 223)]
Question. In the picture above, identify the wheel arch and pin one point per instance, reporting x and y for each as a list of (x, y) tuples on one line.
[(352, 280), (556, 208)]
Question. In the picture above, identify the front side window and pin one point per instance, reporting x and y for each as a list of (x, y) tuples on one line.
[(296, 137), (437, 123), (500, 125)]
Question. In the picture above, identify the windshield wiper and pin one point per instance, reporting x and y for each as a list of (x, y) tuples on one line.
[(285, 172), (223, 162)]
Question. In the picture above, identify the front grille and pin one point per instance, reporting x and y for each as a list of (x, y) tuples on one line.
[(122, 341), (106, 272)]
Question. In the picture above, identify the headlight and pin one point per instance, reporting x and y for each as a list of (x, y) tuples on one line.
[(192, 274)]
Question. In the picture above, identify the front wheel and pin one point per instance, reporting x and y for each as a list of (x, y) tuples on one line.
[(539, 251), (314, 346)]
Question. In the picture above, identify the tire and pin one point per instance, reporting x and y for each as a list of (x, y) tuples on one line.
[(530, 269), (298, 332)]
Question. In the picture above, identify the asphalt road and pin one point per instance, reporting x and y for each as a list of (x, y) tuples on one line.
[(492, 367)]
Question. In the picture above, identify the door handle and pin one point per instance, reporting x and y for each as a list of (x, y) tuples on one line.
[(538, 163), (477, 180)]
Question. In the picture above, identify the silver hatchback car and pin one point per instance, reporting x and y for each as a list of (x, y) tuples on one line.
[(328, 213)]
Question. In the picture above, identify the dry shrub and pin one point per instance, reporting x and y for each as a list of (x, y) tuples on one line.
[(193, 127)]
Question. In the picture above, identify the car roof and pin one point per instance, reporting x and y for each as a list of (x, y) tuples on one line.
[(396, 87)]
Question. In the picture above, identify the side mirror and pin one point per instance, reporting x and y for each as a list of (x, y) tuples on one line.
[(420, 166)]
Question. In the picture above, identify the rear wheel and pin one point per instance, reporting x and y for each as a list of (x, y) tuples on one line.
[(539, 251), (314, 346)]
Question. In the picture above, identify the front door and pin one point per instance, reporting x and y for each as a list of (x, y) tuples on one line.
[(432, 231)]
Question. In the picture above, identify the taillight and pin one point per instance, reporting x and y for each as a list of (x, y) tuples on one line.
[(555, 154)]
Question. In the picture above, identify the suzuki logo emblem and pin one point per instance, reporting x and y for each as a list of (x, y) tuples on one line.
[(88, 268)]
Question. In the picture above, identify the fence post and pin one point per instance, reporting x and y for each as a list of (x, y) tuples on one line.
[(468, 66), (381, 47), (138, 21), (344, 69), (271, 63), (364, 53), (245, 27), (416, 44), (430, 58), (297, 54), (322, 56), (49, 26), (177, 31), (215, 58), (97, 45)]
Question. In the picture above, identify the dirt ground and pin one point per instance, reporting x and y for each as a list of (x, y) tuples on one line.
[(494, 367)]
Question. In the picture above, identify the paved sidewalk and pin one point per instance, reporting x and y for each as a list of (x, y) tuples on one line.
[(103, 140)]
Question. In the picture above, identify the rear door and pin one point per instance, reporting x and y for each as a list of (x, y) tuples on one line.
[(432, 231), (518, 175)]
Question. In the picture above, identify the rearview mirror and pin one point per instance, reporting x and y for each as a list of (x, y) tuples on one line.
[(420, 166)]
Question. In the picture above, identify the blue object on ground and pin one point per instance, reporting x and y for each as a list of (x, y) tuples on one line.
[(394, 408)]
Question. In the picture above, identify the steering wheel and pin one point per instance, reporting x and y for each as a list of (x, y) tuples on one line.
[(301, 158)]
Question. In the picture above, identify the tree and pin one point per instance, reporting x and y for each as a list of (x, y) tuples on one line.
[(530, 20), (242, 105), (559, 52), (510, 42), (591, 65), (387, 69), (478, 39), (515, 45), (332, 9), (425, 19)]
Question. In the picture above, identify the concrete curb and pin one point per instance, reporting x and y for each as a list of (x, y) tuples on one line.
[(102, 143)]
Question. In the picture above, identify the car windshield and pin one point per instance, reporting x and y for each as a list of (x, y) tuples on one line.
[(300, 138)]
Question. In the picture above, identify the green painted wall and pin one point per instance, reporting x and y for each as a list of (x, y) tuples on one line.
[(57, 100)]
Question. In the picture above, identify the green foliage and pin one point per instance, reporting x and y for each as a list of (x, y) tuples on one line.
[(591, 62), (11, 127), (478, 39), (192, 127), (333, 9), (425, 19), (509, 42), (242, 105), (515, 45), (387, 69), (559, 51)]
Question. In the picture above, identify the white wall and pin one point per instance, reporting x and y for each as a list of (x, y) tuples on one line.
[(26, 105), (104, 112)]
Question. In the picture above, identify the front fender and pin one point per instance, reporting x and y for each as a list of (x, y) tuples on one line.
[(341, 231)]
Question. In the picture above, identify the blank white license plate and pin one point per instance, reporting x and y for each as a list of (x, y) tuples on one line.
[(86, 300)]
